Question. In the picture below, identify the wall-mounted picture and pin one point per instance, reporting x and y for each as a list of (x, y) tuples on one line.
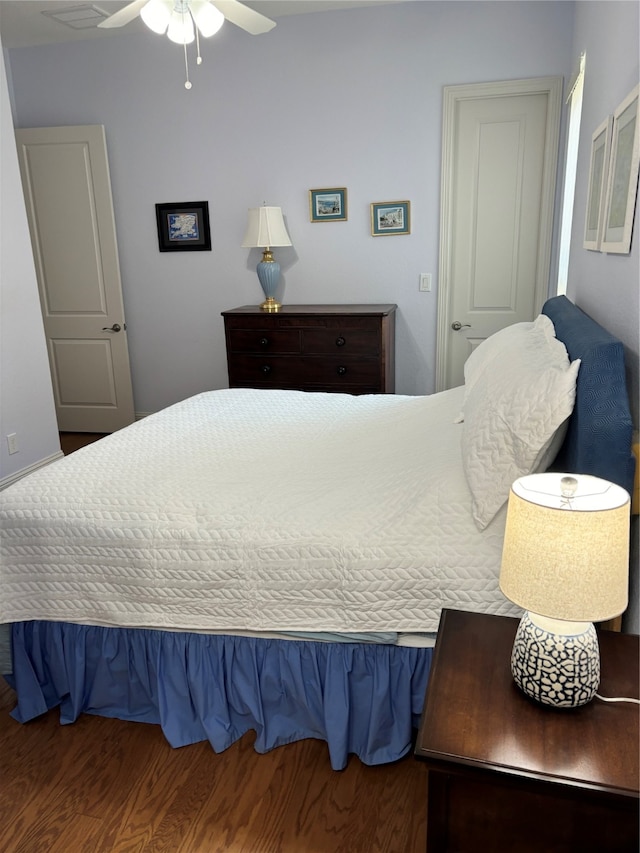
[(328, 205), (622, 183), (598, 171), (183, 226), (390, 217)]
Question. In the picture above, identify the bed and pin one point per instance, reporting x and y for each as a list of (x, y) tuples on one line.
[(277, 561)]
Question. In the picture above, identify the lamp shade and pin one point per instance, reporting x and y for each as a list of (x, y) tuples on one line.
[(566, 547), (265, 227)]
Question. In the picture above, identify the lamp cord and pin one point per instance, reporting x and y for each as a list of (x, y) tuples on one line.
[(617, 699)]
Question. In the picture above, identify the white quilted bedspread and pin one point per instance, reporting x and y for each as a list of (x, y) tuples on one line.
[(256, 510)]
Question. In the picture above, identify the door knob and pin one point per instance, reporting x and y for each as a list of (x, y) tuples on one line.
[(457, 325), (114, 328)]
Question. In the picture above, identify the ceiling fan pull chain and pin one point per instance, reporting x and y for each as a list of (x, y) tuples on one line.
[(187, 84), (199, 58)]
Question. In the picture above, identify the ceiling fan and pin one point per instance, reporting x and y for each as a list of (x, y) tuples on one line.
[(185, 20)]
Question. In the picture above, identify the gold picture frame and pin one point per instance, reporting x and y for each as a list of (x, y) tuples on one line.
[(328, 205), (390, 217)]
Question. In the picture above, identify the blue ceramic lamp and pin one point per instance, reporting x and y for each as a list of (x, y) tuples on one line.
[(266, 229)]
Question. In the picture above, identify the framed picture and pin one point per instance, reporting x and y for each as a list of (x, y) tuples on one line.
[(598, 171), (622, 183), (390, 217), (328, 205), (183, 227)]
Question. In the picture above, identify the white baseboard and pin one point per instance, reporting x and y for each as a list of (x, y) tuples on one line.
[(13, 478)]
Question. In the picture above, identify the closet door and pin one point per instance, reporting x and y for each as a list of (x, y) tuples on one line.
[(500, 147), (65, 177)]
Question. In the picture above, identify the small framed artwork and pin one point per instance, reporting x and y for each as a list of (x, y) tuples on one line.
[(622, 183), (183, 227), (329, 205), (390, 217), (598, 170)]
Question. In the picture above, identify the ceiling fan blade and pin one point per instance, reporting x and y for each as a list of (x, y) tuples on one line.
[(124, 16), (244, 17)]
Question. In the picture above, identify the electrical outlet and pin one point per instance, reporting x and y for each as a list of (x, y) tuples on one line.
[(425, 282), (12, 443)]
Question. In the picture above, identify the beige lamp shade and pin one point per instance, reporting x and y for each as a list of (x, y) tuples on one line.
[(566, 547), (265, 227)]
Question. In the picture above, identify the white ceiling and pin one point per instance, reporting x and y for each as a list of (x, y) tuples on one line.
[(22, 23)]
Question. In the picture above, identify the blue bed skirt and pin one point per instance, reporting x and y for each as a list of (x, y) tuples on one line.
[(359, 698)]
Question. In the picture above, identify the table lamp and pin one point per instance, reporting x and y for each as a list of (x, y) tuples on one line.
[(565, 560), (266, 229)]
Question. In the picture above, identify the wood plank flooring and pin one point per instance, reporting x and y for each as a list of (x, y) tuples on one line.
[(109, 786), (70, 441)]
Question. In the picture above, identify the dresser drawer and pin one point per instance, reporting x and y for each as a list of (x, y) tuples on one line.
[(264, 340), (280, 371), (268, 371), (343, 341), (340, 371)]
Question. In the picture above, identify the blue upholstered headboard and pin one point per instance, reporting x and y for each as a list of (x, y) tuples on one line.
[(599, 434)]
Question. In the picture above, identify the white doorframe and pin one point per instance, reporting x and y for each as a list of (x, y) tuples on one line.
[(452, 95)]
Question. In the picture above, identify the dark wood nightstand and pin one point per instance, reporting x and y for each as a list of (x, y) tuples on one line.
[(345, 348), (508, 774)]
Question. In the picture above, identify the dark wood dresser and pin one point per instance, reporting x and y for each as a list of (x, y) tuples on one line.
[(346, 348)]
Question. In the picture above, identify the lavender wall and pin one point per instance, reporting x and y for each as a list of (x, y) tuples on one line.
[(606, 286), (26, 401), (344, 98)]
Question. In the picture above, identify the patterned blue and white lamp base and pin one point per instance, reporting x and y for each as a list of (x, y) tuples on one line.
[(556, 662)]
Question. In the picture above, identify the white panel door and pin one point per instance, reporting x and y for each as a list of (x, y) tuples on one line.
[(499, 169), (65, 176)]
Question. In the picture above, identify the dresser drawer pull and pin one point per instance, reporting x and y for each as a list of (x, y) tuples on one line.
[(341, 370), (264, 342), (340, 342), (266, 369)]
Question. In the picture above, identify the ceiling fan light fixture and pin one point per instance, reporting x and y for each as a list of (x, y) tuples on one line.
[(156, 15), (181, 28), (184, 21), (208, 19)]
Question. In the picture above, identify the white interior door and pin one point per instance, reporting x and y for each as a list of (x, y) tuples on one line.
[(500, 144), (65, 177)]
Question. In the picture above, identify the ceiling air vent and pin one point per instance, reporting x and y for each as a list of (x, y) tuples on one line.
[(78, 17)]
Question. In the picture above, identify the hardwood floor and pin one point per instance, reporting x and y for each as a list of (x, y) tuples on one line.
[(70, 441), (109, 786)]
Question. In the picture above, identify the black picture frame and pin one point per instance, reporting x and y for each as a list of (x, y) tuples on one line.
[(183, 226)]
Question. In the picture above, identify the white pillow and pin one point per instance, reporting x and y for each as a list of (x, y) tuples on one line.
[(501, 342), (523, 393), (496, 346)]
